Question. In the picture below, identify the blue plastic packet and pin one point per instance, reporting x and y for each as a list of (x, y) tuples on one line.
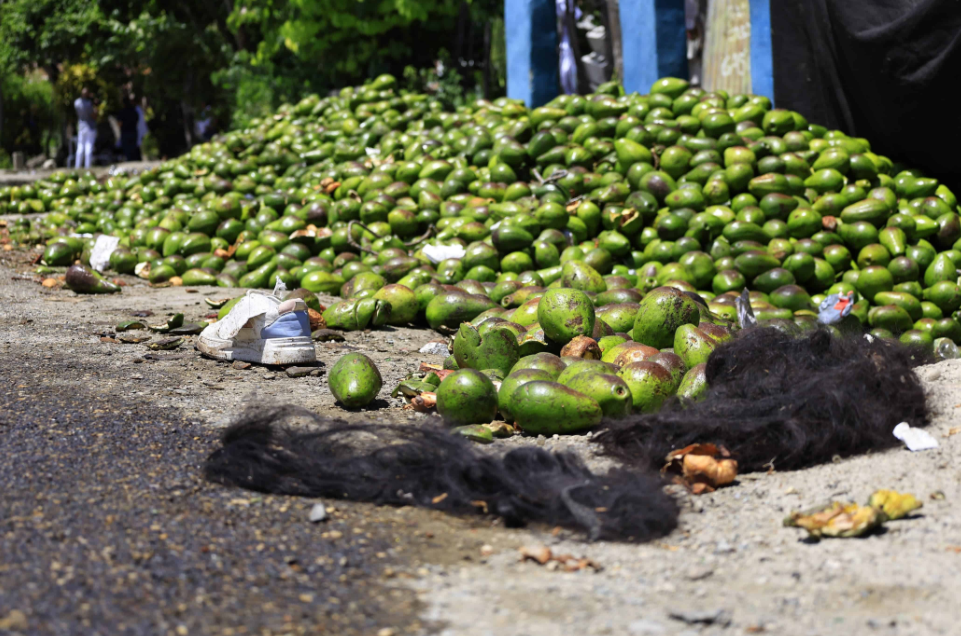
[(834, 308)]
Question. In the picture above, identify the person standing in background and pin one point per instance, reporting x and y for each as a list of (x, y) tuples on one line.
[(142, 129), (86, 128), (695, 13), (128, 130)]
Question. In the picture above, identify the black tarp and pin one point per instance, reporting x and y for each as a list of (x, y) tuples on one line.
[(886, 70)]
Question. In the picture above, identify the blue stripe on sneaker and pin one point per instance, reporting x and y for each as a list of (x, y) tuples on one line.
[(292, 325)]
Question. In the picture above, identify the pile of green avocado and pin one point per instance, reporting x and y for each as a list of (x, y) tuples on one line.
[(609, 195)]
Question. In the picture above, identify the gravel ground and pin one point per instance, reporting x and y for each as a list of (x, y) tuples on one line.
[(106, 526)]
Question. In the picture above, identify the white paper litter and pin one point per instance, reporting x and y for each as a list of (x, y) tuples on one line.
[(438, 253), (915, 439), (102, 249), (435, 348)]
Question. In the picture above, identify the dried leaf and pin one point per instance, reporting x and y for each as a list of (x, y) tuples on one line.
[(894, 505), (837, 520), (701, 467), (316, 320)]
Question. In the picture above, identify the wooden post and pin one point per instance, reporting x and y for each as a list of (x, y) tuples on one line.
[(614, 33)]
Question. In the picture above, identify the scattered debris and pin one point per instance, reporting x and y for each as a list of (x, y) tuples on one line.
[(240, 365), (174, 322), (317, 321), (83, 280), (216, 304), (848, 520), (915, 439), (475, 433), (438, 253), (500, 428), (318, 513), (327, 335), (300, 372), (436, 348), (719, 617), (166, 344), (15, 621), (582, 347), (701, 467), (894, 505), (132, 339), (189, 329), (102, 249), (127, 325), (542, 555), (539, 553), (837, 520), (424, 402)]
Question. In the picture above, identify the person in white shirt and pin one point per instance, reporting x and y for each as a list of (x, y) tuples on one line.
[(142, 129), (86, 128)]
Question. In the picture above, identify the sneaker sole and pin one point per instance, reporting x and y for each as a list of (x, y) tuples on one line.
[(277, 351)]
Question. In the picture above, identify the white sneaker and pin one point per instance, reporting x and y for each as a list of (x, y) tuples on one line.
[(261, 329)]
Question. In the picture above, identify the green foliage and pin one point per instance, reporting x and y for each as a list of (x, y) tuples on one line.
[(28, 111), (242, 58), (446, 84)]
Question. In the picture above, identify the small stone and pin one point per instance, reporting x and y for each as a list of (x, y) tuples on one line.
[(645, 627), (240, 365), (435, 347), (316, 373), (723, 547), (270, 376), (15, 621), (697, 574), (299, 372), (318, 513), (387, 631), (487, 550)]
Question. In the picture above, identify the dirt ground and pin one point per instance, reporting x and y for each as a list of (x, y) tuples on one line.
[(12, 178), (80, 416)]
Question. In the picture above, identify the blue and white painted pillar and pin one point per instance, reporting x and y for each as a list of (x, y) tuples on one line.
[(653, 42), (532, 68), (762, 62)]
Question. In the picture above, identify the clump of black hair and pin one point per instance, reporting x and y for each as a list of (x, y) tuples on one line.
[(289, 450), (784, 402), (775, 401)]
